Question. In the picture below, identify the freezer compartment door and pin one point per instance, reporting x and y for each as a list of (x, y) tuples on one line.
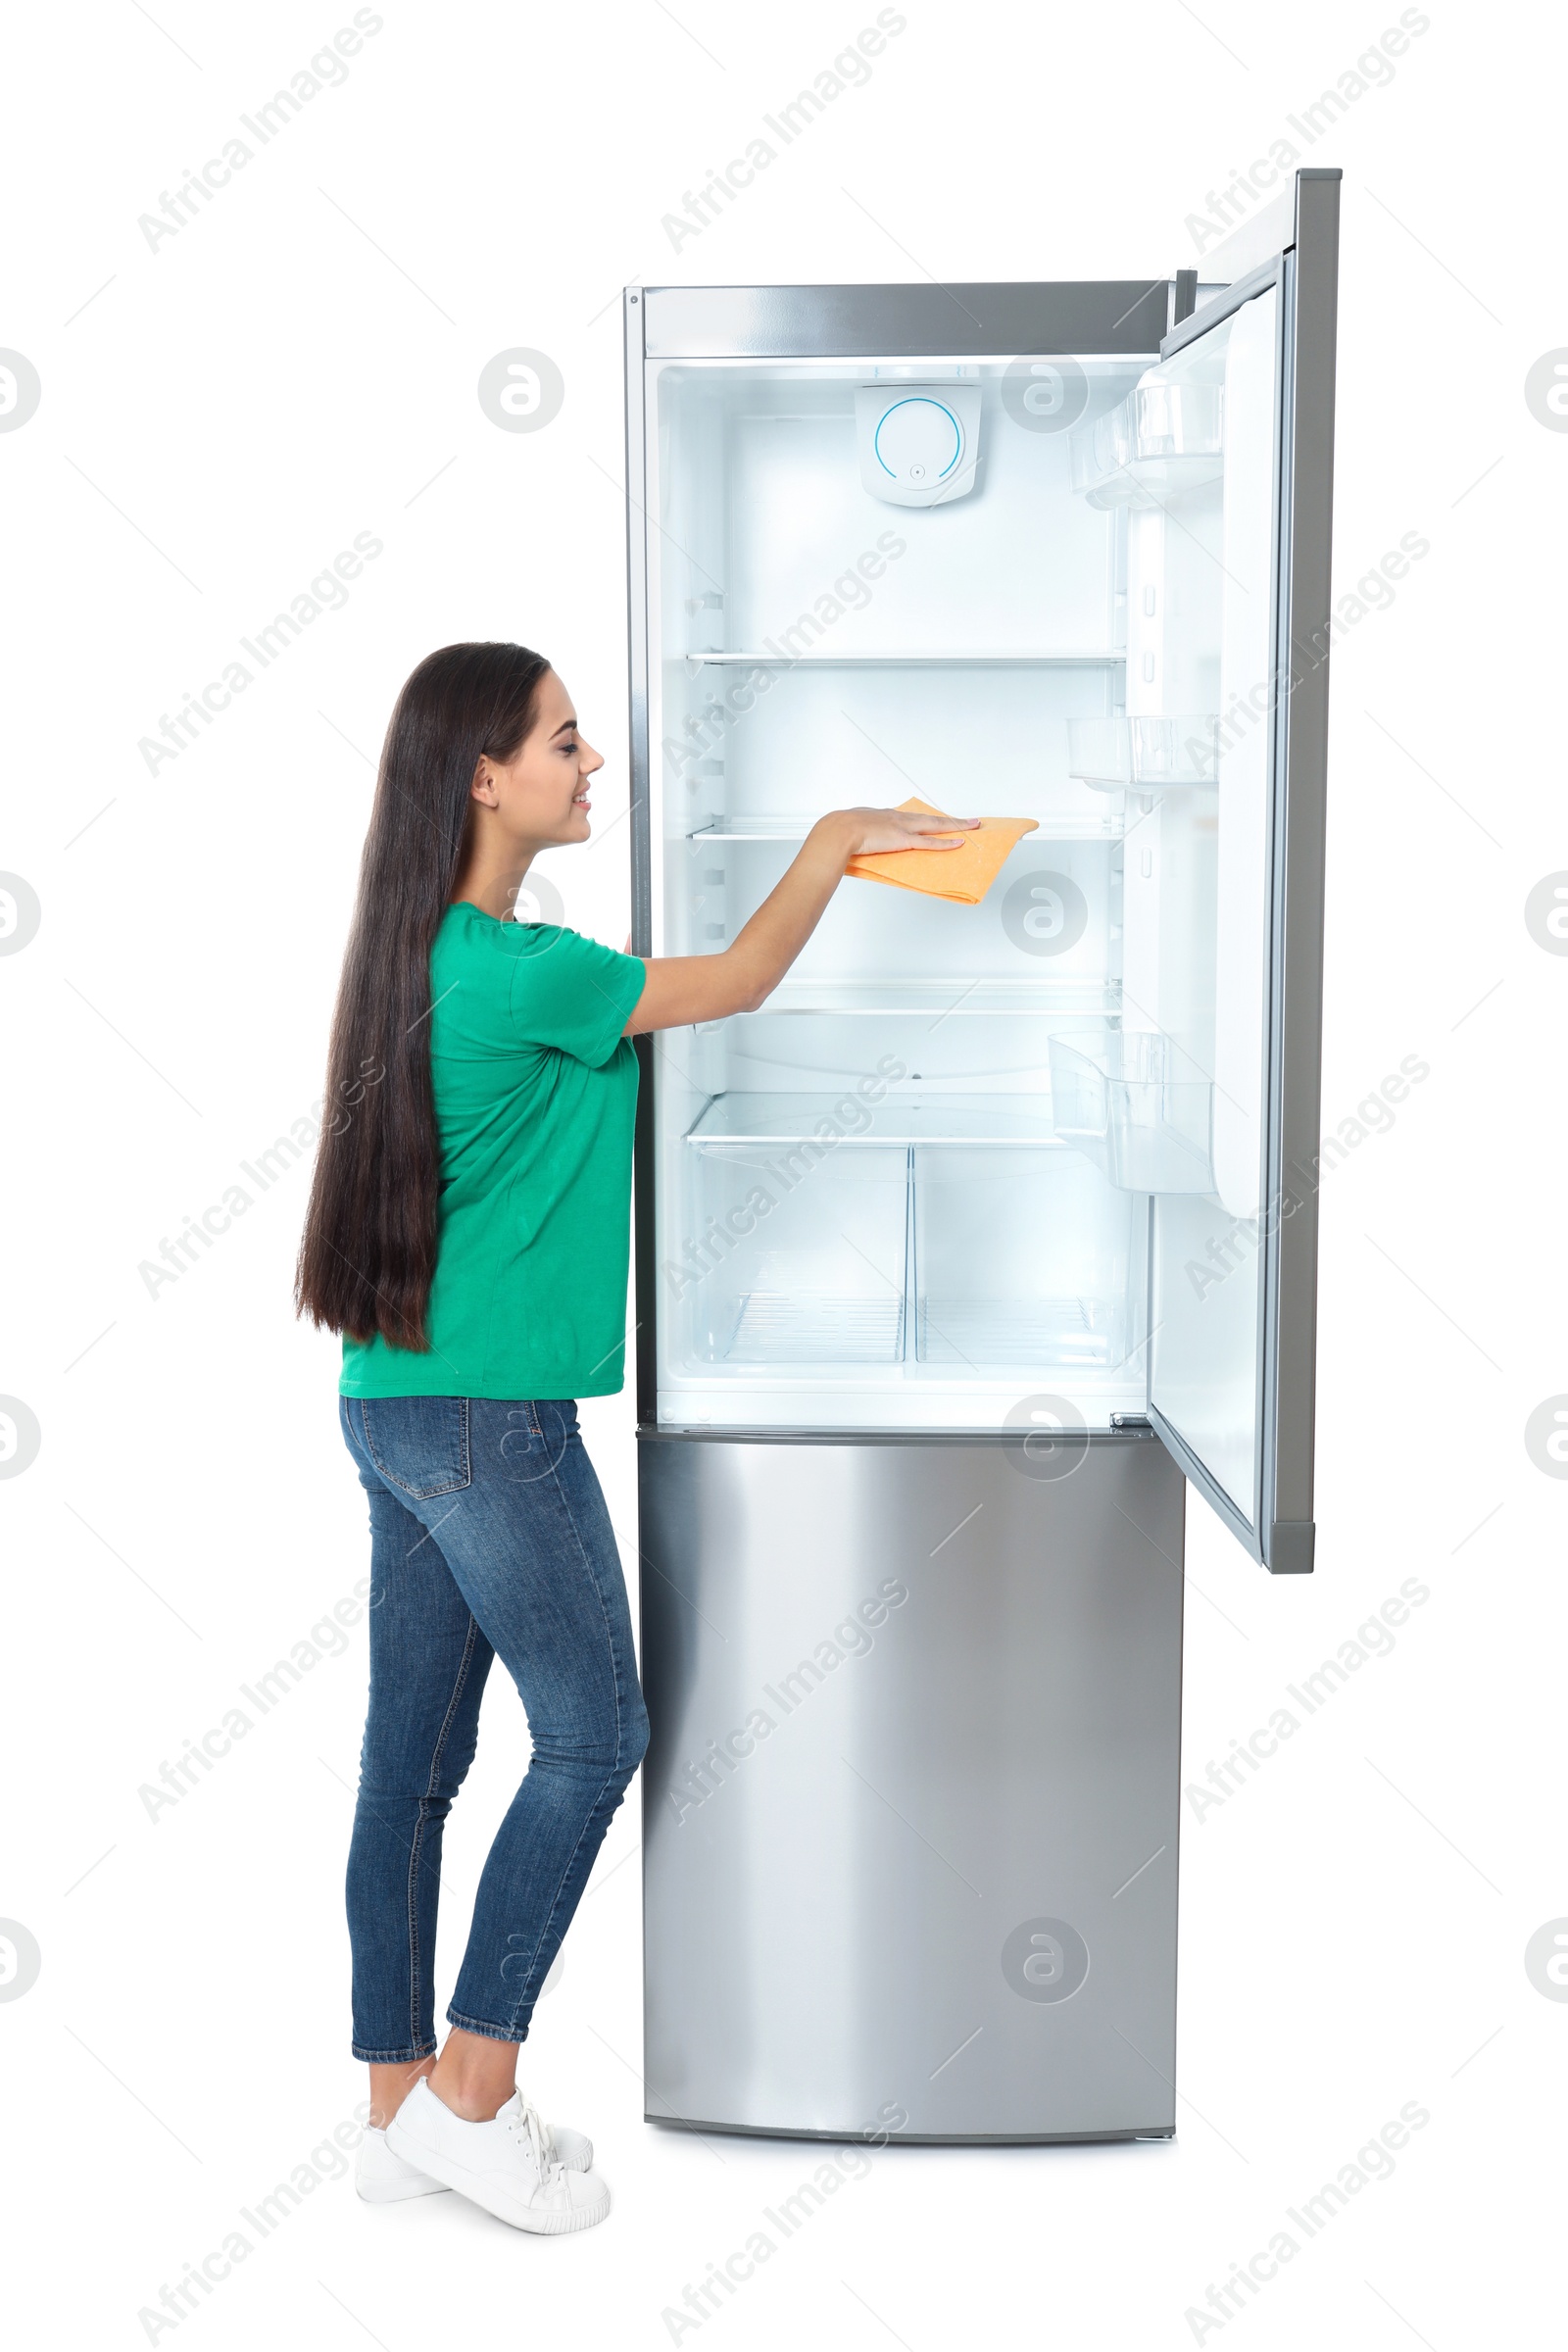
[(1229, 604), (910, 1803)]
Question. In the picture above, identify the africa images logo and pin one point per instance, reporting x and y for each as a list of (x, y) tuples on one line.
[(1045, 1960)]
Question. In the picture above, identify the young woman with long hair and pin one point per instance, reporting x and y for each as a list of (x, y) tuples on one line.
[(468, 1235)]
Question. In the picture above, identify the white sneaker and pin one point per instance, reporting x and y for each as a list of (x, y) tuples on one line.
[(513, 2166), (383, 2179)]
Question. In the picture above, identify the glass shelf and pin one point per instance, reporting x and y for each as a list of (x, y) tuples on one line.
[(1110, 827), (1002, 1120), (1036, 998), (763, 658), (750, 828), (1132, 1103)]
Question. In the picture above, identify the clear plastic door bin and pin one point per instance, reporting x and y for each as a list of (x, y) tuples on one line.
[(1138, 1107)]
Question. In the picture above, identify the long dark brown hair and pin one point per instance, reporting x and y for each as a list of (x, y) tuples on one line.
[(367, 1255)]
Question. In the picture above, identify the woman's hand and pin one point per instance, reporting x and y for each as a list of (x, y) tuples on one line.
[(868, 832)]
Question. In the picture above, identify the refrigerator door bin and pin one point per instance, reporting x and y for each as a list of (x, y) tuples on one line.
[(1144, 754), (1138, 1107), (1020, 1258), (1162, 439)]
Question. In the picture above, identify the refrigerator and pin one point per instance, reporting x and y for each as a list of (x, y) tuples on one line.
[(994, 1226)]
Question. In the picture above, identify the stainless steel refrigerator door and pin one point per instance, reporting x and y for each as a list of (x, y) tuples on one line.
[(910, 1803), (1234, 1299)]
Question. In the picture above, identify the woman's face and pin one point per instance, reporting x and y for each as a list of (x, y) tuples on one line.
[(542, 795)]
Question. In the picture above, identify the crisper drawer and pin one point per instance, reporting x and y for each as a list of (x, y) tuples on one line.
[(1020, 1258), (959, 1236), (797, 1254)]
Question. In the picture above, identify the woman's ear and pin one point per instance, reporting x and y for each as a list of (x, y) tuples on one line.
[(483, 788)]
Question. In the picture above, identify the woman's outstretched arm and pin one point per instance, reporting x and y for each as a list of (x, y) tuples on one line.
[(682, 988)]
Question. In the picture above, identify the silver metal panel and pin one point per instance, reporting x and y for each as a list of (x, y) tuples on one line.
[(1197, 325), (1300, 818), (1090, 319), (914, 1768)]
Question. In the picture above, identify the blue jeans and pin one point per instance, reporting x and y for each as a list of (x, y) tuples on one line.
[(489, 1536)]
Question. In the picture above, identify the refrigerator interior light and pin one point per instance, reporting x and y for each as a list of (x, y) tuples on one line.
[(919, 442)]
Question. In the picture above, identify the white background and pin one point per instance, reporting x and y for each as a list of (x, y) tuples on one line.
[(299, 364)]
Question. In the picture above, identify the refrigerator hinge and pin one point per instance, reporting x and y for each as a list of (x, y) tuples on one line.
[(1132, 1421)]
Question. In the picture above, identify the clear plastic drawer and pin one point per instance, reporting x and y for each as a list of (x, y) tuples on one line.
[(796, 1254), (1020, 1259)]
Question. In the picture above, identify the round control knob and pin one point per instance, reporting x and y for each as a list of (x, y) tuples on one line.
[(917, 440)]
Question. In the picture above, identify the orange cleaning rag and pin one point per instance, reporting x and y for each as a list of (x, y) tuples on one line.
[(962, 875)]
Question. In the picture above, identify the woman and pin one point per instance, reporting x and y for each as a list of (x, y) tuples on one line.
[(468, 1234)]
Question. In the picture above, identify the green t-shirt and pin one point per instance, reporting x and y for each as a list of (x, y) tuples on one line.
[(535, 1094)]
